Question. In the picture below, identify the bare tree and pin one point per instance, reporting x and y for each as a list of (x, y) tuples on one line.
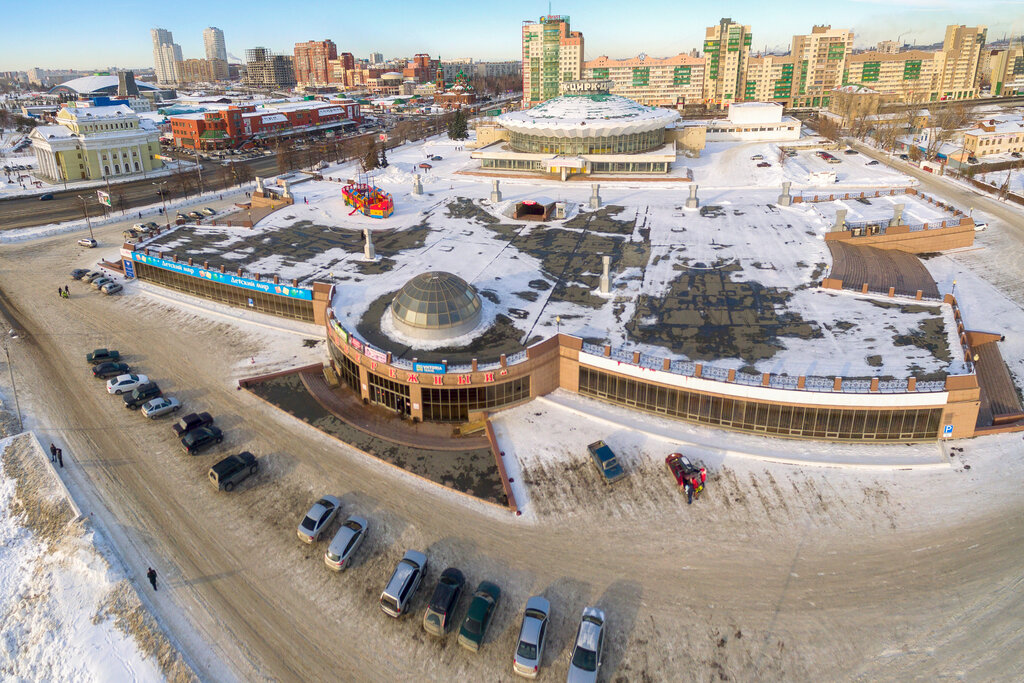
[(944, 124)]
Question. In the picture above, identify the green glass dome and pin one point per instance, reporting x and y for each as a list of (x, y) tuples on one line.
[(436, 305)]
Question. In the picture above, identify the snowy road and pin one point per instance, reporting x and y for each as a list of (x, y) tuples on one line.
[(779, 574)]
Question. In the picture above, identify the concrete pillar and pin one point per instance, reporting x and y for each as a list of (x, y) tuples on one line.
[(287, 193), (840, 223), (417, 185), (496, 192), (897, 215), (595, 197), (605, 280), (692, 202), (368, 251), (259, 185), (785, 199)]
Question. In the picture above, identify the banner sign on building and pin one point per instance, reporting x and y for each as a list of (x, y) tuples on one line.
[(104, 197), (339, 330), (355, 343), (430, 368), (374, 354), (129, 270), (224, 278)]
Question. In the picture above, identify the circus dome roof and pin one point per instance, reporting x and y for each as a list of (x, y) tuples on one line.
[(588, 115)]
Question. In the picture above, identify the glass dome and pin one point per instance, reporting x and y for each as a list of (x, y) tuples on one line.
[(436, 305)]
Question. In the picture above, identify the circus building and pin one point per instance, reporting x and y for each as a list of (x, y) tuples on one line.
[(586, 131)]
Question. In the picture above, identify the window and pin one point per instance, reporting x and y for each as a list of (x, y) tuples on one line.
[(455, 404)]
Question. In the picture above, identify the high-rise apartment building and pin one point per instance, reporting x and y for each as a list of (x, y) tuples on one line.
[(961, 52), (819, 60), (1007, 71), (726, 53), (650, 80), (267, 70), (376, 58), (910, 75), (201, 70), (552, 54), (311, 62), (213, 41), (888, 47), (166, 55)]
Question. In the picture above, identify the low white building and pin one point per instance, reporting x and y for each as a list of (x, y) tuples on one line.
[(752, 122)]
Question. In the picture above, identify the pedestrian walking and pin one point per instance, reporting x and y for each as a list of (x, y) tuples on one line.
[(66, 292), (64, 295), (53, 453), (151, 575), (60, 458), (688, 485), (60, 292), (140, 215)]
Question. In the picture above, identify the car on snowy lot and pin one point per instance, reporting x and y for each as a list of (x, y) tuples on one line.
[(850, 151), (402, 586), (319, 517), (441, 607), (873, 162), (201, 438), (93, 275), (100, 281), (190, 422), (764, 164), (111, 288), (195, 215), (87, 242), (757, 157), (530, 648), (435, 158), (585, 660), (478, 618), (102, 356), (110, 369), (606, 462), (79, 273), (123, 383), (160, 406), (140, 395), (227, 473), (345, 543), (207, 211)]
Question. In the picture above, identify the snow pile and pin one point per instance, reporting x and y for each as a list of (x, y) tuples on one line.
[(65, 612)]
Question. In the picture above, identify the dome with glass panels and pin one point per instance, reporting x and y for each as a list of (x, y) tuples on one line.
[(436, 305)]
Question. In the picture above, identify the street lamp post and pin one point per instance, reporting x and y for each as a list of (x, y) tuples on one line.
[(14, 388), (85, 209), (163, 198)]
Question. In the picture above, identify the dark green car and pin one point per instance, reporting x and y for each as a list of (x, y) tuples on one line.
[(485, 599)]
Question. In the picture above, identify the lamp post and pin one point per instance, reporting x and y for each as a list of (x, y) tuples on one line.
[(85, 210), (14, 388), (163, 198)]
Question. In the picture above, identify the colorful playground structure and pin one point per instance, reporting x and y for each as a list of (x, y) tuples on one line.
[(368, 199)]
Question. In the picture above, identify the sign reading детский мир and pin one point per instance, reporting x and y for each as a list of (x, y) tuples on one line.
[(224, 278)]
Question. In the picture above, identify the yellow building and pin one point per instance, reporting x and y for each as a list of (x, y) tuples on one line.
[(201, 70), (92, 143), (769, 79), (819, 60), (726, 52), (650, 80), (911, 75), (961, 54), (1007, 71), (994, 137), (552, 54)]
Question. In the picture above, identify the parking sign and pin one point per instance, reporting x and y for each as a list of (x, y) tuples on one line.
[(947, 431)]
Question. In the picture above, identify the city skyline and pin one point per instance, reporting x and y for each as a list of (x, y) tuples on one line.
[(490, 36)]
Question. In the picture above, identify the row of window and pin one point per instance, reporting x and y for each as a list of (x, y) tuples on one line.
[(900, 424), (605, 144), (455, 405)]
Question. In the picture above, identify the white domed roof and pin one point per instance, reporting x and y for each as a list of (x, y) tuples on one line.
[(591, 115)]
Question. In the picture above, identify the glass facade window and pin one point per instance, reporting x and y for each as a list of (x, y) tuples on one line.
[(630, 143), (514, 164), (388, 393), (455, 404), (629, 167), (348, 370), (235, 296), (839, 424)]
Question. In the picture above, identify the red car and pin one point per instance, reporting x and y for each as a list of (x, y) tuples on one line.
[(683, 470)]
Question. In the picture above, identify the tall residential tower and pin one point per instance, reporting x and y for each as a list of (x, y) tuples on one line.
[(166, 55), (213, 40), (552, 54), (726, 53)]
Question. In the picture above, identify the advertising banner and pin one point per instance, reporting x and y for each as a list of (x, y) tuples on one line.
[(374, 354), (224, 278), (429, 368)]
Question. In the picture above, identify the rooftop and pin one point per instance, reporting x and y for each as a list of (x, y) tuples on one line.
[(90, 84), (589, 115)]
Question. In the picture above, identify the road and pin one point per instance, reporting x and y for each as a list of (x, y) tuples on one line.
[(777, 575)]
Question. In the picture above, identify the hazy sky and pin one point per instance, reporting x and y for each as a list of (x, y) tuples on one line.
[(77, 35)]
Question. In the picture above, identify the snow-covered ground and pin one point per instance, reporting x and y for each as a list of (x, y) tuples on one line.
[(67, 613), (998, 178)]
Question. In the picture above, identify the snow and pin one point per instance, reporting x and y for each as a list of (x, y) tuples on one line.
[(53, 617), (588, 116)]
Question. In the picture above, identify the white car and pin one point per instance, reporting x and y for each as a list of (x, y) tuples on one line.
[(585, 660), (348, 539), (87, 242), (125, 383), (319, 517), (160, 406)]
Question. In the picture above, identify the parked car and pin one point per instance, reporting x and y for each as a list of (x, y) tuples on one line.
[(757, 157), (151, 226), (980, 225), (110, 369), (195, 215), (123, 383), (873, 162), (438, 616), (45, 197), (87, 242), (207, 211), (481, 608), (201, 438), (532, 633), (606, 462), (227, 473), (79, 273), (102, 356), (111, 288), (402, 586), (319, 517), (585, 661), (160, 406), (905, 157), (141, 395), (93, 275), (435, 158), (345, 543), (100, 281), (684, 471), (192, 421), (850, 151), (764, 164)]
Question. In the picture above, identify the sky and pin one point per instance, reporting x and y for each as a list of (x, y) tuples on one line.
[(73, 37)]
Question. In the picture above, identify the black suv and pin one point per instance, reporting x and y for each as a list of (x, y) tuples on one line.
[(140, 395), (190, 422), (442, 603), (233, 469), (200, 438)]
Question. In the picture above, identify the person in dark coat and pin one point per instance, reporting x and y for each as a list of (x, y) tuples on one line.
[(688, 485), (151, 575), (60, 292), (60, 457), (53, 453), (67, 294)]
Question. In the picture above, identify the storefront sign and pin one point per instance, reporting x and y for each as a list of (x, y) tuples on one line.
[(586, 86), (374, 354), (129, 270), (430, 368), (355, 343), (224, 278), (339, 330)]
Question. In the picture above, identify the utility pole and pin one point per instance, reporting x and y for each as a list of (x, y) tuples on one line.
[(85, 209), (200, 165), (14, 389), (163, 198)]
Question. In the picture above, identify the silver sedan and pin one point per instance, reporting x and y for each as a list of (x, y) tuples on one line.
[(319, 517), (345, 543), (160, 406), (530, 650)]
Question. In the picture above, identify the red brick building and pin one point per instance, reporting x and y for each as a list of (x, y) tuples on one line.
[(234, 126), (311, 62), (420, 68)]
